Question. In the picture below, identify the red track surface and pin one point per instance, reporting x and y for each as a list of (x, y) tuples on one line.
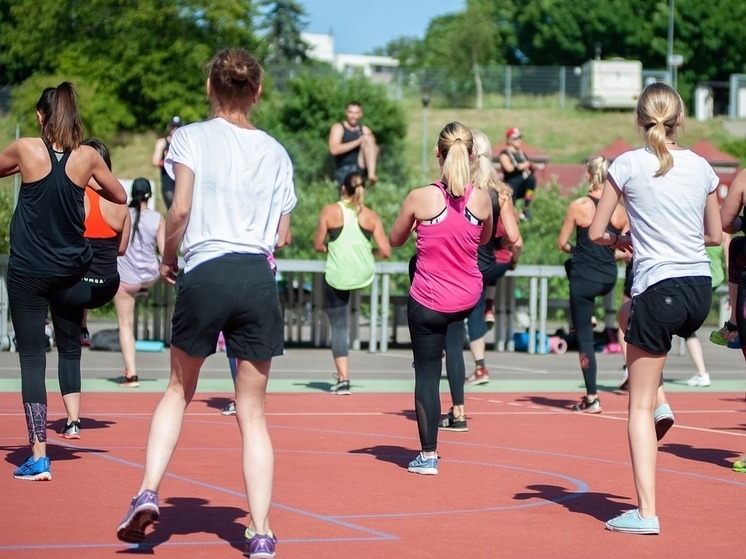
[(530, 479)]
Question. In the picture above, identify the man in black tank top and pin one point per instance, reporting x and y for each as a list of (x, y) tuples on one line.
[(353, 146)]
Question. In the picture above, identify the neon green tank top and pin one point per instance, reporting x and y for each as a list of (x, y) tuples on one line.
[(350, 263)]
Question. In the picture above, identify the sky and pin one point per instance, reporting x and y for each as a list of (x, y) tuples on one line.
[(359, 26)]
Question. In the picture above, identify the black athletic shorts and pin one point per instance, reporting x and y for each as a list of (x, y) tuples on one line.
[(672, 307), (235, 294)]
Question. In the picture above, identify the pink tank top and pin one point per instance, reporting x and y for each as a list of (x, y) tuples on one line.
[(447, 278)]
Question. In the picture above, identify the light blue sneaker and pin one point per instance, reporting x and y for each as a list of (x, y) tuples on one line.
[(664, 420), (631, 522), (34, 470), (423, 465)]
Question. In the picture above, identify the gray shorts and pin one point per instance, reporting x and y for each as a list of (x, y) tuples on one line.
[(341, 172), (673, 307), (235, 294)]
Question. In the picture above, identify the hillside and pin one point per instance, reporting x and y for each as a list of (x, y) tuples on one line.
[(567, 136)]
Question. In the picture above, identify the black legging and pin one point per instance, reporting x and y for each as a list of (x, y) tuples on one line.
[(29, 302), (455, 368), (523, 188), (88, 293), (583, 293), (427, 330), (337, 301)]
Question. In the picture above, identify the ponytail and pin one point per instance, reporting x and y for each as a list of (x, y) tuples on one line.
[(61, 124), (455, 144), (660, 111), (353, 187)]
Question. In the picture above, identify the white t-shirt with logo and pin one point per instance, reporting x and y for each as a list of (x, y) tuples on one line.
[(243, 184)]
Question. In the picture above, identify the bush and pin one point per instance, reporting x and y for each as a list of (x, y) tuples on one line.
[(103, 115)]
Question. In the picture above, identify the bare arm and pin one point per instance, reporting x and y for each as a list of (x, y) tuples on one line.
[(319, 239), (713, 225), (177, 221), (336, 147), (733, 203), (160, 145), (124, 235), (404, 222), (567, 228), (509, 220), (485, 205), (9, 160), (283, 231), (109, 187), (605, 209), (506, 163), (379, 236)]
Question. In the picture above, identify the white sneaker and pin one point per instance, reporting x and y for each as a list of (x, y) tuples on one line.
[(699, 380)]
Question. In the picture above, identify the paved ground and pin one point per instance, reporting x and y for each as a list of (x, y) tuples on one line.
[(310, 369)]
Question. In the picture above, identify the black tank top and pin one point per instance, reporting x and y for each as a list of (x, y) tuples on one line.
[(104, 263), (515, 158), (349, 158), (591, 260), (486, 252), (46, 231)]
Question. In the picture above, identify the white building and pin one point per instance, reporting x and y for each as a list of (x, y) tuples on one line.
[(379, 69)]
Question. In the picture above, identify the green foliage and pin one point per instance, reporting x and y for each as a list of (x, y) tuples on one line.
[(540, 233), (6, 212), (141, 60), (310, 104), (102, 115)]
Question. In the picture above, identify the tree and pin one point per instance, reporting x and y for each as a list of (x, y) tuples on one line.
[(142, 58), (283, 22), (409, 51)]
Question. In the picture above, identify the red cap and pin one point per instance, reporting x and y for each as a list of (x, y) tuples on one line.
[(513, 133)]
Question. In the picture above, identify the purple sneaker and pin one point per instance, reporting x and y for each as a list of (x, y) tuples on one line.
[(260, 546), (143, 512)]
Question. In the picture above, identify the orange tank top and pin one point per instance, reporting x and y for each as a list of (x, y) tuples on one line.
[(95, 225)]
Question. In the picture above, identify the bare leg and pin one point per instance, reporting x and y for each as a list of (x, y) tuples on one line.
[(38, 449), (695, 350), (477, 348), (72, 406), (342, 366), (645, 375), (622, 318), (733, 296), (124, 304), (368, 157), (165, 425), (258, 457)]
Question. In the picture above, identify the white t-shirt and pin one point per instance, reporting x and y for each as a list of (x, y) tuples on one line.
[(243, 183), (666, 214)]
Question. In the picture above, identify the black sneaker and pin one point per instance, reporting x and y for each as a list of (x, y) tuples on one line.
[(453, 423), (85, 337), (230, 409), (71, 430), (587, 406), (342, 388)]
